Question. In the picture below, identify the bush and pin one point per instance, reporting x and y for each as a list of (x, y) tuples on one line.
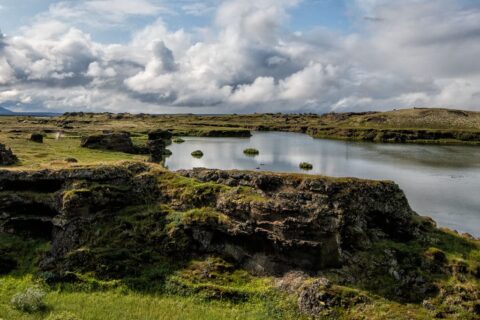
[(31, 300), (197, 154), (306, 166), (178, 140), (251, 152), (65, 315)]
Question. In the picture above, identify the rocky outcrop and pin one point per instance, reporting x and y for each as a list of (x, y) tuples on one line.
[(120, 142), (157, 143), (302, 221), (6, 156), (268, 223), (396, 135)]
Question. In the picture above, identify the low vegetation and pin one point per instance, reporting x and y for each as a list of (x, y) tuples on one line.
[(251, 152), (197, 154), (306, 166), (178, 140)]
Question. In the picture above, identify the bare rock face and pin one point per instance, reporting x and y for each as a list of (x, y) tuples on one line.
[(120, 142), (6, 156)]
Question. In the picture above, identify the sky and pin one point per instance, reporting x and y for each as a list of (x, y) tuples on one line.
[(242, 56)]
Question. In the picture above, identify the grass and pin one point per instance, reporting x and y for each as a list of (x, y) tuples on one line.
[(54, 152), (124, 304)]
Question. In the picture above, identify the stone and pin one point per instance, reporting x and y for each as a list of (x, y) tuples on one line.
[(6, 156), (156, 148), (159, 135), (120, 142), (36, 137)]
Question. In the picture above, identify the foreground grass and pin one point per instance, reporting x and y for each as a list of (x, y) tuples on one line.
[(118, 304)]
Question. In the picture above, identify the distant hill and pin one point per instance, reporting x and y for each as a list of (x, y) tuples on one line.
[(4, 111)]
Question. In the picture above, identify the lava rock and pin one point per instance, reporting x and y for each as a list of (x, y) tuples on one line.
[(36, 137), (156, 148), (6, 156), (159, 135), (110, 141)]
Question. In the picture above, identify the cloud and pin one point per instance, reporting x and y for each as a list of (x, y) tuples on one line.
[(198, 8), (409, 53)]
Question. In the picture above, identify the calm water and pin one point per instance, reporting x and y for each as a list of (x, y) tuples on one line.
[(440, 181)]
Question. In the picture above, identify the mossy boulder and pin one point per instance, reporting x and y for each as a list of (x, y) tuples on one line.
[(120, 142), (251, 152), (6, 156), (306, 166), (197, 154), (36, 137)]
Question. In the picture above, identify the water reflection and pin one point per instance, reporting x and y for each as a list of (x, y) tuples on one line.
[(440, 181)]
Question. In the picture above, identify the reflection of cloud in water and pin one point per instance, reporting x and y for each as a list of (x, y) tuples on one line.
[(441, 181)]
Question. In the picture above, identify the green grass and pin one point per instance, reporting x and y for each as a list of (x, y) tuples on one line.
[(124, 304), (54, 152)]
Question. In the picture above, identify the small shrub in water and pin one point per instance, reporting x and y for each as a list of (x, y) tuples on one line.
[(178, 140), (306, 166), (31, 300), (251, 152), (197, 154)]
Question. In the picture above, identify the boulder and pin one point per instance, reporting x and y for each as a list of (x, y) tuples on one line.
[(110, 141), (159, 135), (6, 156), (36, 137), (157, 143), (156, 148)]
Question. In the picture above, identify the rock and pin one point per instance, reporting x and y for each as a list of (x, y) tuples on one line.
[(157, 143), (7, 263), (159, 135), (110, 141), (36, 137), (6, 156), (268, 223), (156, 148)]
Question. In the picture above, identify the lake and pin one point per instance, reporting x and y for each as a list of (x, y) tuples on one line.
[(440, 181)]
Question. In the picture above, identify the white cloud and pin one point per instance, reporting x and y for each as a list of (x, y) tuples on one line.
[(415, 52), (198, 8)]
